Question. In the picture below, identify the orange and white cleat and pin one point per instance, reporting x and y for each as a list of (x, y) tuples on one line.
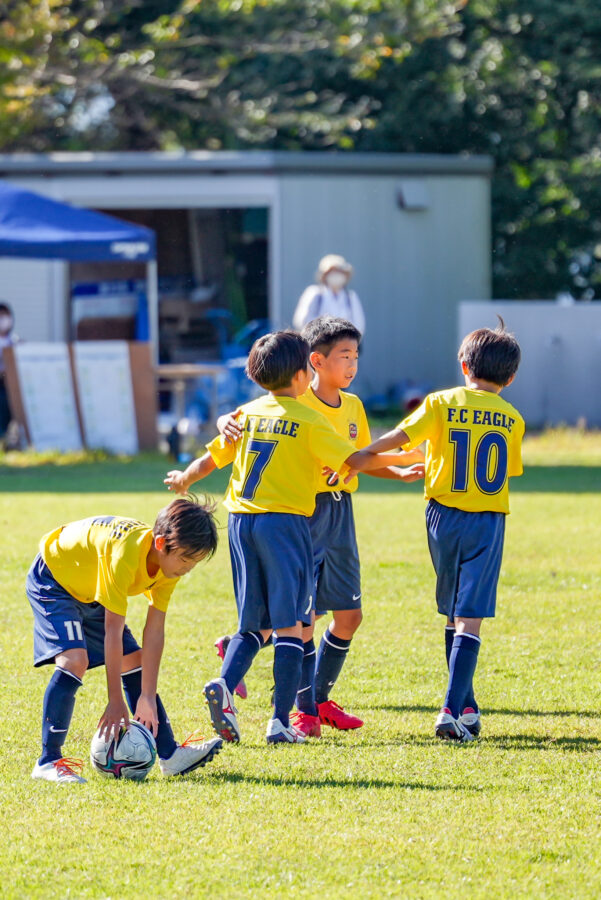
[(62, 771)]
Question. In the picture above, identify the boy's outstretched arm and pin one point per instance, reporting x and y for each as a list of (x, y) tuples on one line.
[(180, 482), (116, 710), (395, 473), (153, 642), (390, 441), (412, 458)]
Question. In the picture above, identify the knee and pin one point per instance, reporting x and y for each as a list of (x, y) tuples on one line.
[(74, 661), (131, 661)]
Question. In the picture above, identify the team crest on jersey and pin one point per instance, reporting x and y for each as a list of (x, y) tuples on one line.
[(352, 431)]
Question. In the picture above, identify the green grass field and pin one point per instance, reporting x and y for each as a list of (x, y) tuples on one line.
[(386, 811)]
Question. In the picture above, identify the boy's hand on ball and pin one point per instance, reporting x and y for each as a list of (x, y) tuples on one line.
[(146, 713), (115, 715)]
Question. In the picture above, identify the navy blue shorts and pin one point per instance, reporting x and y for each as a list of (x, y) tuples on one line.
[(335, 554), (272, 564), (60, 622), (467, 550)]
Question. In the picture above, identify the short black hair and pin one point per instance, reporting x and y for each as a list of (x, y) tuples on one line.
[(6, 309), (324, 332), (491, 354), (275, 358), (188, 524)]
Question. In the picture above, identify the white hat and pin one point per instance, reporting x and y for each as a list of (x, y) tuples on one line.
[(333, 261)]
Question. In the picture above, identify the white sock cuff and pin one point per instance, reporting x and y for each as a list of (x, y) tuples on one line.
[(284, 643), (474, 637), (131, 671)]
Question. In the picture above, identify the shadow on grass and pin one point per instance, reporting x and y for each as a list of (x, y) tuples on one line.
[(536, 742), (145, 473), (486, 711), (142, 474), (357, 783), (535, 480)]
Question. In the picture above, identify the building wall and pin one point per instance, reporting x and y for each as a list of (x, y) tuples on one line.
[(412, 267), (560, 372)]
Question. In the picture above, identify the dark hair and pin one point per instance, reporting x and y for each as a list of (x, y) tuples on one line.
[(275, 358), (5, 308), (492, 355), (189, 525), (324, 332)]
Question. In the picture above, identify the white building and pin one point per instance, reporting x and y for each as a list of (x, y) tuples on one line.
[(241, 233)]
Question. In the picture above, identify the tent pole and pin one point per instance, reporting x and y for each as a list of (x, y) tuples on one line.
[(152, 296)]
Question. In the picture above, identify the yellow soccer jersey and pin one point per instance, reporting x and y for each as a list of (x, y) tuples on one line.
[(350, 421), (474, 446), (278, 460), (103, 559)]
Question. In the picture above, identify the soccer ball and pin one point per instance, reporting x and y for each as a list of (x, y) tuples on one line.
[(130, 754)]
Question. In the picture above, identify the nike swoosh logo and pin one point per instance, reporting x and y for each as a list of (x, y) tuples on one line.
[(56, 730), (308, 609), (356, 597)]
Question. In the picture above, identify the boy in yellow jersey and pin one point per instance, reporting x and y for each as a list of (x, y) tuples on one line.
[(78, 588), (277, 471), (474, 440)]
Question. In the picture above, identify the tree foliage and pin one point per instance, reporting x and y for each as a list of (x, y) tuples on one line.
[(518, 79)]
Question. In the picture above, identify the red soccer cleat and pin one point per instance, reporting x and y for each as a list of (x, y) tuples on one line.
[(221, 644), (308, 725), (333, 715)]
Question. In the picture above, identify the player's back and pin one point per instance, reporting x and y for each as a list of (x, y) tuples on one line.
[(277, 462), (103, 558), (473, 447)]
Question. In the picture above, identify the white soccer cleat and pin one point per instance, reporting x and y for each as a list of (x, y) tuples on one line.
[(61, 771), (222, 710), (471, 719), (449, 729), (185, 758), (280, 734)]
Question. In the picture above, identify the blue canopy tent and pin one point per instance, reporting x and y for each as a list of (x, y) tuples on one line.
[(37, 227)]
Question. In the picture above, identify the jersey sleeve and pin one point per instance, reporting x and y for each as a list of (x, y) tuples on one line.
[(159, 595), (422, 424), (327, 445), (222, 452)]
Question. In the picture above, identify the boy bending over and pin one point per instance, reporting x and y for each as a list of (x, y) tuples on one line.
[(78, 588)]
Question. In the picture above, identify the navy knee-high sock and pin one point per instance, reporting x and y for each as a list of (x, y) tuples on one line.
[(287, 667), (462, 665), (449, 635), (132, 687), (241, 651), (305, 698), (59, 701), (330, 660)]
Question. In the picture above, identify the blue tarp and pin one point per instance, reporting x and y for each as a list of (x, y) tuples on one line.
[(37, 227)]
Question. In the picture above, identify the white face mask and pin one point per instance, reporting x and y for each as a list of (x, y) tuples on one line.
[(336, 280)]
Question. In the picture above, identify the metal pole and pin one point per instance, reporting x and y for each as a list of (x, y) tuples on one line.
[(152, 297)]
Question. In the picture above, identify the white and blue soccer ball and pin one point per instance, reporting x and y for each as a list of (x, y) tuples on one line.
[(129, 754)]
